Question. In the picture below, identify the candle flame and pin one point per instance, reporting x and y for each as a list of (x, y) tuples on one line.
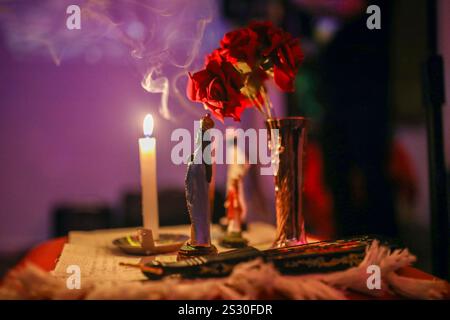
[(148, 125)]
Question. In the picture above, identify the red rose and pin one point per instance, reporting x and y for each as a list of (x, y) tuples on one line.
[(261, 27), (240, 45), (269, 37), (218, 88), (283, 50), (287, 60), (226, 86)]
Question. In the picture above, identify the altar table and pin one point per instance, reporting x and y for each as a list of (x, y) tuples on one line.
[(46, 255)]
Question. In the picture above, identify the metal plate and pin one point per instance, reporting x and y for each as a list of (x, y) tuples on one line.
[(166, 243)]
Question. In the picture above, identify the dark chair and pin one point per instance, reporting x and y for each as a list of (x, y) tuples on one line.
[(69, 217)]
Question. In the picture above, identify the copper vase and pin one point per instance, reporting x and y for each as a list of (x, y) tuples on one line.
[(287, 144)]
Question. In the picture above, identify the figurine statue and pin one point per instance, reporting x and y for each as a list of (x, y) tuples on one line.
[(197, 181), (235, 200)]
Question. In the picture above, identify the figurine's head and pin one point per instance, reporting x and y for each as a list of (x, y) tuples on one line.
[(206, 122)]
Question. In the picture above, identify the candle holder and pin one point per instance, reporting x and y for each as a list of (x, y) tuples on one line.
[(143, 243)]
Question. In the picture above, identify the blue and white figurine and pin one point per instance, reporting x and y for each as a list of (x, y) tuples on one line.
[(198, 178)]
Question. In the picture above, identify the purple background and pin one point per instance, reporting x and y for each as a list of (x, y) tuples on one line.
[(69, 133)]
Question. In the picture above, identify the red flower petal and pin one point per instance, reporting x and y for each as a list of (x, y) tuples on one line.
[(283, 79)]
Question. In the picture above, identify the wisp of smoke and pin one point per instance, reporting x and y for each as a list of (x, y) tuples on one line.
[(162, 37)]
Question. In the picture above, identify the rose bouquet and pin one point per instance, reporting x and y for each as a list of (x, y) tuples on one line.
[(234, 74)]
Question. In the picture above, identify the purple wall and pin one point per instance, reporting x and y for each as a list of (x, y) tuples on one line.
[(69, 133)]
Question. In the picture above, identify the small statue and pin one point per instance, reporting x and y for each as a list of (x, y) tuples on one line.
[(235, 200), (197, 181)]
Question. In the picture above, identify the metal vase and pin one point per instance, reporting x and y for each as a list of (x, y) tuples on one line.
[(287, 144)]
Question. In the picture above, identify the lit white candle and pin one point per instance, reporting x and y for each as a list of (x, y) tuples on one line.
[(147, 157)]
